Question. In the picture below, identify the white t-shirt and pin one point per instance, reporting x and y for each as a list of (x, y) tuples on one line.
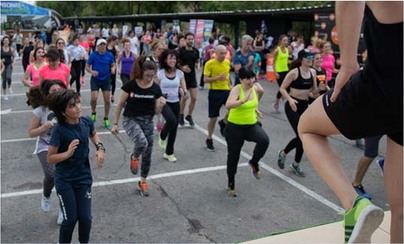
[(134, 45), (170, 86), (44, 115), (296, 49)]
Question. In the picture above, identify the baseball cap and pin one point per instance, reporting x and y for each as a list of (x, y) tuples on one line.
[(305, 53), (100, 41)]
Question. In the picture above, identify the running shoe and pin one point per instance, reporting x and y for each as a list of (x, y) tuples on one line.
[(222, 125), (181, 121), (297, 170), (209, 145), (60, 219), (134, 164), (171, 158), (380, 162), (107, 123), (45, 204), (361, 191), (255, 170), (5, 97), (143, 188), (112, 99), (93, 117), (190, 120), (361, 221), (162, 143), (231, 192), (281, 159)]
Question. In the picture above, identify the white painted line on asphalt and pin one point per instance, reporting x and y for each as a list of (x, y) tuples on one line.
[(127, 180), (7, 111), (289, 180), (30, 110), (33, 139)]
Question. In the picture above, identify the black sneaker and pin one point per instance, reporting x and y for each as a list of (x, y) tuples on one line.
[(222, 125), (189, 119), (209, 145), (297, 170), (181, 121)]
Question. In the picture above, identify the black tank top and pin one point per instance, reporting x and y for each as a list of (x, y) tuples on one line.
[(301, 83), (7, 56), (384, 66), (113, 51)]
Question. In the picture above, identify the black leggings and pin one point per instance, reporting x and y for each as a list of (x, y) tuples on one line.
[(282, 76), (75, 203), (113, 83), (170, 113), (235, 137), (76, 74), (293, 118)]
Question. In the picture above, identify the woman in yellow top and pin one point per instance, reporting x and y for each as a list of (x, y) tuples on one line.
[(281, 65), (243, 126)]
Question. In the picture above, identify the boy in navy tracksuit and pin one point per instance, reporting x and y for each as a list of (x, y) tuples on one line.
[(68, 150)]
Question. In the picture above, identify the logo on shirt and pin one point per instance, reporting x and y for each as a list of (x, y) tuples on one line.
[(88, 195)]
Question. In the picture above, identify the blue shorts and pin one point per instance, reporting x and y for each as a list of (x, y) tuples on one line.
[(104, 85)]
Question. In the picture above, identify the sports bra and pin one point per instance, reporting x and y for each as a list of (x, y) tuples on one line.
[(301, 83)]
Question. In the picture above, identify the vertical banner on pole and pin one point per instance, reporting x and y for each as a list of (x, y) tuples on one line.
[(192, 26), (200, 23)]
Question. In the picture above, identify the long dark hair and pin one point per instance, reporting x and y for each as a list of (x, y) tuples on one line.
[(59, 101), (37, 95), (163, 59), (142, 64)]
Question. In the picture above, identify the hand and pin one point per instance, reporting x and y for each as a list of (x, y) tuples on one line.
[(186, 69), (277, 75), (322, 86), (259, 114), (115, 129), (342, 78), (162, 101), (221, 77), (99, 155), (47, 125), (72, 147), (292, 104), (94, 73)]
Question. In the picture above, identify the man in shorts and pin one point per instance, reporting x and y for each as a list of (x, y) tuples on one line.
[(101, 64), (217, 75), (364, 103)]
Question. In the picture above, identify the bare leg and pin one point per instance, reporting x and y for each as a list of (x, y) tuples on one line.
[(107, 102), (314, 127), (194, 93), (211, 127), (361, 169), (393, 184), (183, 102), (94, 97)]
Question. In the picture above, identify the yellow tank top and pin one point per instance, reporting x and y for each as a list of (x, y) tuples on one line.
[(244, 114), (281, 62)]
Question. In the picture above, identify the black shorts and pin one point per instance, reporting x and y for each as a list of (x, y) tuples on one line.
[(372, 146), (191, 83), (216, 99), (362, 109)]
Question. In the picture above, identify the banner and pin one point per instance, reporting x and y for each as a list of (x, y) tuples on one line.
[(207, 30), (192, 26), (16, 8)]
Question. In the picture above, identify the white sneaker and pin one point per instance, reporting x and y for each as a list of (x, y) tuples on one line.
[(10, 90), (5, 97), (45, 204), (60, 217), (170, 158), (162, 143)]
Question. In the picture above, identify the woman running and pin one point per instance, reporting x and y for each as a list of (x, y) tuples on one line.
[(31, 76), (76, 54), (243, 126), (171, 81), (42, 123), (113, 49), (142, 99), (126, 60), (301, 81), (281, 55), (26, 51), (54, 69), (8, 60)]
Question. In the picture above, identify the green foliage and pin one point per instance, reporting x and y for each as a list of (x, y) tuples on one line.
[(110, 8)]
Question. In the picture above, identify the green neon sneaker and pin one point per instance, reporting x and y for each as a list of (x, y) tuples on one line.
[(93, 117), (107, 123), (361, 221), (162, 143)]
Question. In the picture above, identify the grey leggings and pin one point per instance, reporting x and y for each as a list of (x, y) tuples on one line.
[(140, 131), (48, 170), (6, 76)]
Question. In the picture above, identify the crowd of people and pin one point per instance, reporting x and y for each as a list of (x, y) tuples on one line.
[(158, 75)]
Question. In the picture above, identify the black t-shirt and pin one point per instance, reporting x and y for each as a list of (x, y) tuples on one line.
[(26, 52), (189, 57), (141, 101), (77, 167)]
